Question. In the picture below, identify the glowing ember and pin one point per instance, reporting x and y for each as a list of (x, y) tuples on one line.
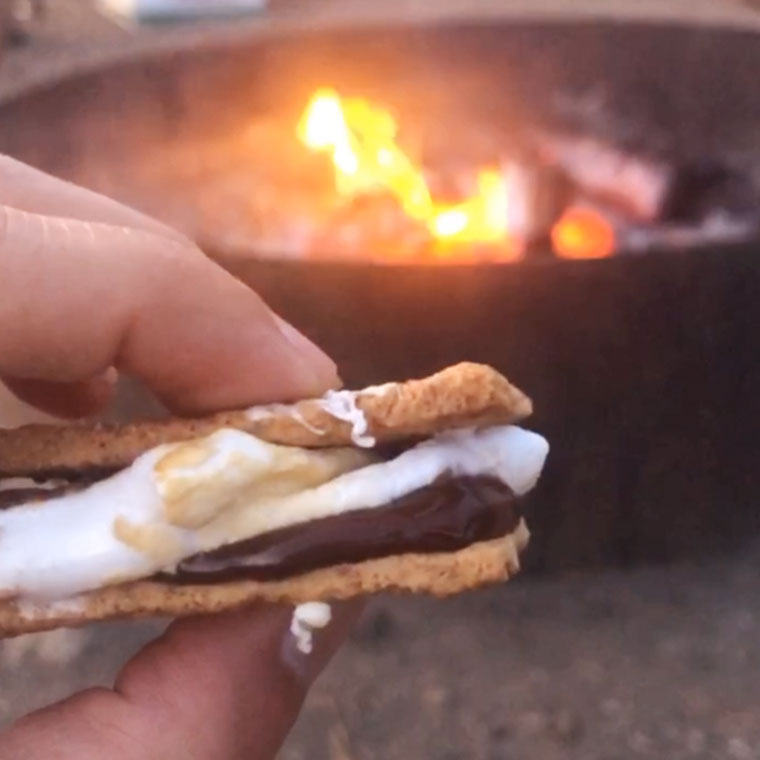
[(361, 140), (583, 233)]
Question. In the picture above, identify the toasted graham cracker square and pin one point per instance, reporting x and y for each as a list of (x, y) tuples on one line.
[(440, 574), (465, 395)]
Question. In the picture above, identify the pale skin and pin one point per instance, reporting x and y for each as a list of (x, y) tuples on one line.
[(90, 288)]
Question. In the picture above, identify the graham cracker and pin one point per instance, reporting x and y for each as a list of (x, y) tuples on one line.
[(464, 395), (441, 574)]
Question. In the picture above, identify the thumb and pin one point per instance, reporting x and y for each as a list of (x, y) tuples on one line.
[(225, 687)]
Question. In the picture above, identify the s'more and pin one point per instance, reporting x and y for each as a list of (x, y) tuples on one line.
[(412, 486)]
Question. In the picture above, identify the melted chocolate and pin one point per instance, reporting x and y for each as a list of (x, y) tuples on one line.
[(443, 517), (14, 497)]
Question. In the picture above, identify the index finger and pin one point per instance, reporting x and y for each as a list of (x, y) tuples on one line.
[(77, 297), (29, 189)]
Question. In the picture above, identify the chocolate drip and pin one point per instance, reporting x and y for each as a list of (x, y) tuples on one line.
[(443, 517)]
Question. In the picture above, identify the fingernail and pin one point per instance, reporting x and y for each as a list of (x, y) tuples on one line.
[(318, 366)]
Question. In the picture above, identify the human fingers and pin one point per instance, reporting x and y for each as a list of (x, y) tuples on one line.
[(77, 298)]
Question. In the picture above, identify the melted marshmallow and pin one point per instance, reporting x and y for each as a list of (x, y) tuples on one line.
[(256, 413), (339, 404), (342, 406), (148, 516), (511, 454), (307, 618), (130, 525)]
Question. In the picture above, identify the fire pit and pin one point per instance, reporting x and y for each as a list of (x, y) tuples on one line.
[(575, 203)]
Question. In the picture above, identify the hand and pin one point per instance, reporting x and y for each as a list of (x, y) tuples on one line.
[(88, 288)]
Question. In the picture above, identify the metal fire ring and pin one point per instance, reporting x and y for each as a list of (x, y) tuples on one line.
[(293, 16)]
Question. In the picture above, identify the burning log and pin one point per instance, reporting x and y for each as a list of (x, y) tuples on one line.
[(537, 197)]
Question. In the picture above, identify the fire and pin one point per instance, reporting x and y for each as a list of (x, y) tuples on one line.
[(361, 140), (479, 219)]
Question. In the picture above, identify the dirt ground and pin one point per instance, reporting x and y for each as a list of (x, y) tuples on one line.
[(652, 663)]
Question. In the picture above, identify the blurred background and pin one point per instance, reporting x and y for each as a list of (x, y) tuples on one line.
[(634, 635)]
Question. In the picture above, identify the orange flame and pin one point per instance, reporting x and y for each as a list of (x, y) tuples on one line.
[(360, 138)]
